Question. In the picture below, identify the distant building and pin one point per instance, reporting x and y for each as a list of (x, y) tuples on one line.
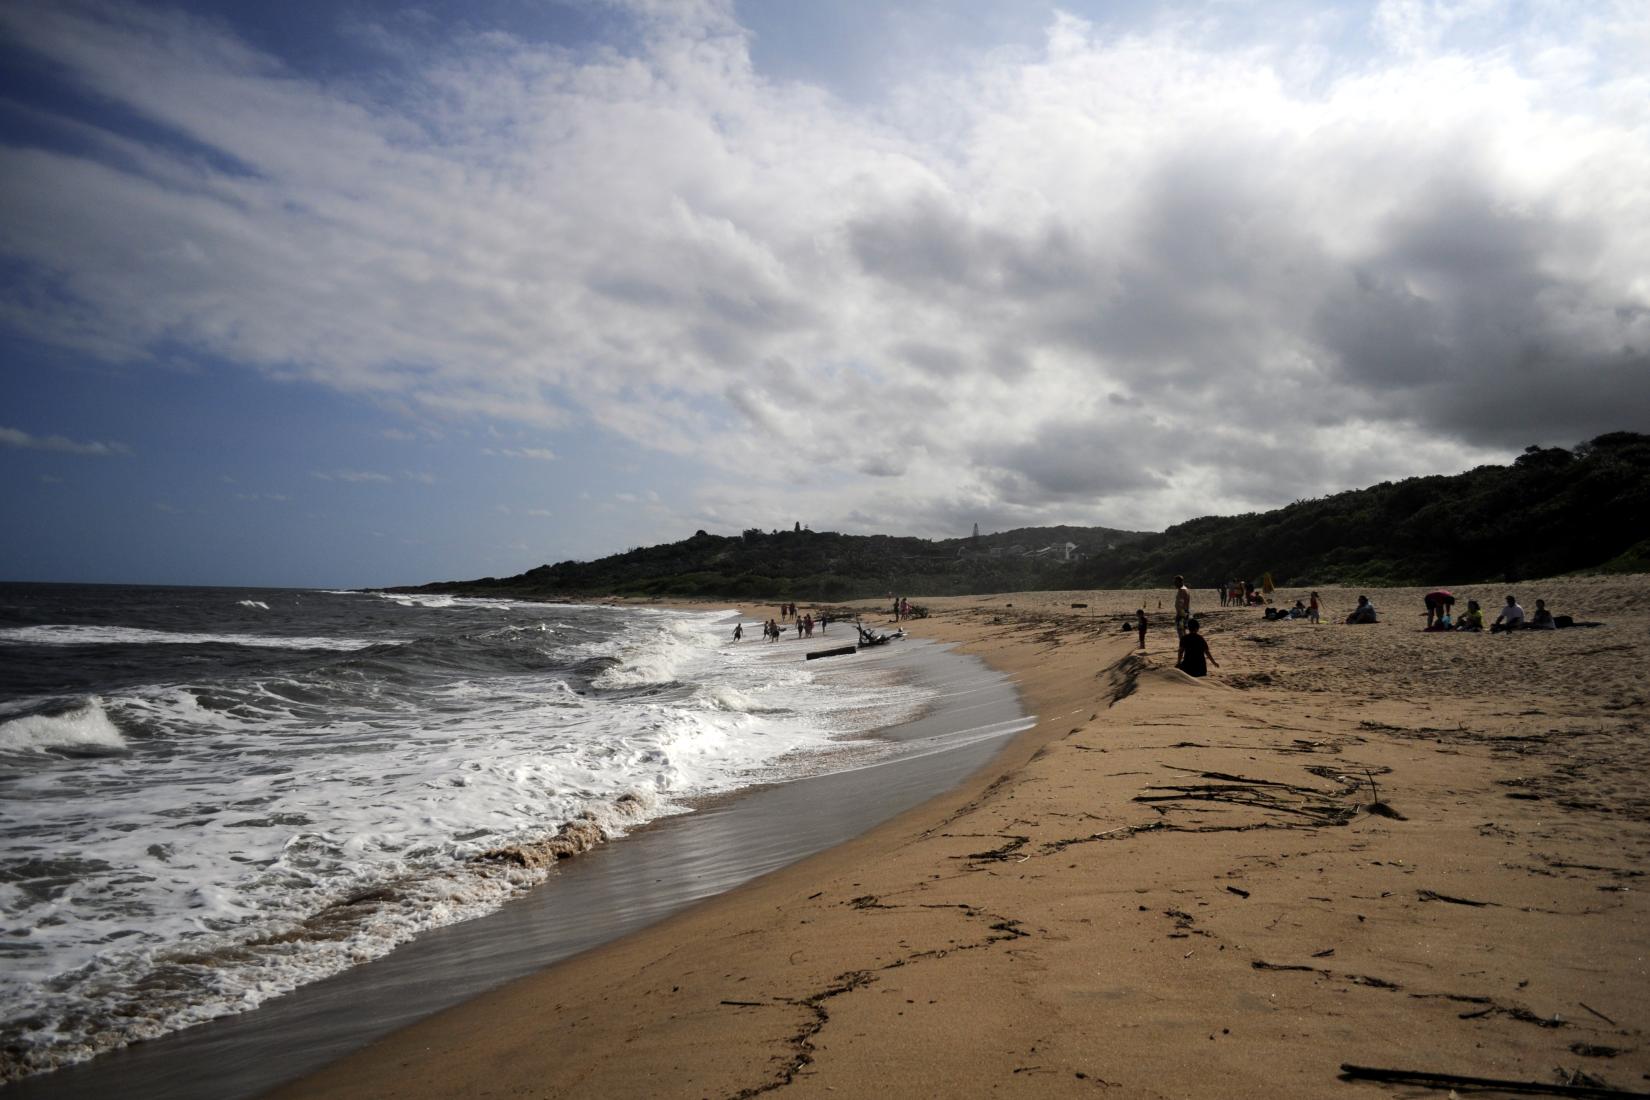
[(1060, 551)]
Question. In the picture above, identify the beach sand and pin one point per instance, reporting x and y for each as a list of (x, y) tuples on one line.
[(1363, 845)]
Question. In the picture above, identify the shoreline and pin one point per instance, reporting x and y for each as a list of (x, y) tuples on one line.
[(1349, 845), (609, 890)]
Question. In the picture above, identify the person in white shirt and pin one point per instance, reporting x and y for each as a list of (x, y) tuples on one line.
[(1511, 617)]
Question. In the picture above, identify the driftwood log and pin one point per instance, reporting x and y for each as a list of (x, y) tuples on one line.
[(1454, 1080)]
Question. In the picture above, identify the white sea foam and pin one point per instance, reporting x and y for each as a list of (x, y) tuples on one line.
[(656, 654), (252, 812), (436, 600), (427, 599), (68, 634), (84, 728), (258, 604)]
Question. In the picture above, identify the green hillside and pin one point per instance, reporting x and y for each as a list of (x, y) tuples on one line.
[(1553, 511), (813, 565)]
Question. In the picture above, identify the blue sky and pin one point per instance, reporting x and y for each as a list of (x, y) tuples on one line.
[(352, 294)]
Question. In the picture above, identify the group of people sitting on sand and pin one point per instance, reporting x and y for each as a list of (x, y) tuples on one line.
[(1440, 604), (1299, 611), (1194, 657), (1512, 617)]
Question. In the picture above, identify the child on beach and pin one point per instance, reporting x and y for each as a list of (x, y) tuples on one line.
[(1472, 618), (1194, 651)]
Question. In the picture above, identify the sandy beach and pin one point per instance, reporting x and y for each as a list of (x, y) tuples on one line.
[(1365, 846)]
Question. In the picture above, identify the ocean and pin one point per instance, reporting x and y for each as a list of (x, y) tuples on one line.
[(212, 797)]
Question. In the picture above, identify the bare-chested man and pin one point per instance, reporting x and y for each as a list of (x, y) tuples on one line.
[(1182, 606)]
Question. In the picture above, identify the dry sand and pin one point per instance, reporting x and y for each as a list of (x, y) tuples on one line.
[(1363, 845)]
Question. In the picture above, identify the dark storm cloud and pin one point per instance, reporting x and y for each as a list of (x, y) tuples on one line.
[(1477, 321)]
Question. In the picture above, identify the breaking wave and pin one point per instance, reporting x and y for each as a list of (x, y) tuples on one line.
[(68, 634), (85, 729)]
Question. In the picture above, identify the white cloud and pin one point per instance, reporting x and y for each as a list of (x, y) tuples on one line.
[(1117, 280), (537, 454), (14, 437), (355, 476)]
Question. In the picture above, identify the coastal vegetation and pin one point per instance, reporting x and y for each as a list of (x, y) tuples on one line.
[(1553, 511)]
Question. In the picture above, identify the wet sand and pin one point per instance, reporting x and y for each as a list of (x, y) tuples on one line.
[(1349, 845)]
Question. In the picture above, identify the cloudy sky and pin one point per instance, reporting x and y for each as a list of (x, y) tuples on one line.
[(357, 293)]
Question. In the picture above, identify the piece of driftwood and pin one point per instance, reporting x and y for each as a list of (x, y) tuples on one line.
[(1429, 1079), (1597, 1013), (839, 651), (1433, 895)]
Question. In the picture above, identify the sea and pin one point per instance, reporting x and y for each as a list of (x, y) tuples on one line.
[(212, 797)]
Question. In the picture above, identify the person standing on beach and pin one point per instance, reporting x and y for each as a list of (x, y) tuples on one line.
[(1440, 603), (1194, 658), (1313, 609), (1182, 606), (1140, 626)]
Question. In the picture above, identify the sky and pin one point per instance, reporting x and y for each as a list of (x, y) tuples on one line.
[(358, 293)]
